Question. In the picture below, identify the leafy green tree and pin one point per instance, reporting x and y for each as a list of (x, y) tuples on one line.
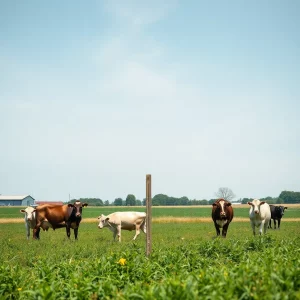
[(211, 201), (203, 202), (138, 202), (159, 199), (290, 197), (90, 201), (246, 200), (106, 203), (130, 200), (118, 202)]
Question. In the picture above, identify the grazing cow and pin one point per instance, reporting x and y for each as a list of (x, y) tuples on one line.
[(127, 220), (58, 216), (277, 213), (259, 215), (222, 215), (30, 220)]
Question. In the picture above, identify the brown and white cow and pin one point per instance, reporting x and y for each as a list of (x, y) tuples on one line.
[(127, 220), (222, 215), (58, 216)]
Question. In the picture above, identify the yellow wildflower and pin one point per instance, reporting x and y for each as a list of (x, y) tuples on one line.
[(122, 261), (19, 289)]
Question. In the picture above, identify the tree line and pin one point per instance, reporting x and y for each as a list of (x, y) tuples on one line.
[(165, 200)]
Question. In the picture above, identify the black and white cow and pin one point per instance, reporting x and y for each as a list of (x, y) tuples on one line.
[(277, 213)]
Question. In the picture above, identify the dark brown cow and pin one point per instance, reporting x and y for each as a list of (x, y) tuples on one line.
[(222, 215), (58, 216)]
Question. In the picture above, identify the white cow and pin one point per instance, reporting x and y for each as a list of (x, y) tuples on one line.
[(260, 215), (127, 220), (30, 219)]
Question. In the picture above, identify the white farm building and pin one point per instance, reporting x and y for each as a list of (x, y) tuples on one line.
[(25, 200)]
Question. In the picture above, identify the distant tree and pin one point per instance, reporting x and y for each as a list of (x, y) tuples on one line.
[(203, 202), (138, 202), (106, 203), (159, 199), (279, 201), (118, 202), (89, 201), (130, 200), (211, 201), (246, 200), (290, 197), (225, 193)]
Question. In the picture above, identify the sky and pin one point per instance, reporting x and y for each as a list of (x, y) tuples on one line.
[(94, 95)]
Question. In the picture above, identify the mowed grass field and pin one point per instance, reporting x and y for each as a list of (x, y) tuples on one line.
[(187, 261)]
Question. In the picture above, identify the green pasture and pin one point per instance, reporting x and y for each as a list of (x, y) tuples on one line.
[(187, 262), (94, 212)]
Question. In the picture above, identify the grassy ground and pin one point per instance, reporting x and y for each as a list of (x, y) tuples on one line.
[(242, 211), (187, 262)]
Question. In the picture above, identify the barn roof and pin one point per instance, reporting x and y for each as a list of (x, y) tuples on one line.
[(13, 198)]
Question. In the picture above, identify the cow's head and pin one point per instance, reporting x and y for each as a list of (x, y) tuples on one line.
[(256, 205), (220, 208), (103, 221), (280, 210), (77, 208), (29, 213)]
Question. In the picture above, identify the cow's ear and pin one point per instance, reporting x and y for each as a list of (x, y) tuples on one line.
[(228, 204), (84, 204), (285, 207), (107, 219), (250, 203), (214, 204), (22, 210), (261, 203), (70, 205)]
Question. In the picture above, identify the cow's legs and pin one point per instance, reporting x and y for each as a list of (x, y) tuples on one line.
[(217, 229), (119, 232), (265, 227), (68, 230), (270, 223), (253, 228), (27, 231), (261, 227), (144, 226), (278, 223), (76, 232), (137, 231), (274, 223), (115, 234), (36, 233), (224, 231)]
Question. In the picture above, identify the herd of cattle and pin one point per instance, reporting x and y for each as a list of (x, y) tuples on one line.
[(69, 216)]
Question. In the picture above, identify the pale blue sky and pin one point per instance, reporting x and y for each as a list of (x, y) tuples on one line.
[(94, 95)]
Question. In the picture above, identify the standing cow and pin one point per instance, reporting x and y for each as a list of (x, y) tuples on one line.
[(58, 216), (127, 220), (30, 220), (277, 213), (222, 215), (259, 215)]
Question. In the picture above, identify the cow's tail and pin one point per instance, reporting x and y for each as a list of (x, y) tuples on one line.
[(144, 226)]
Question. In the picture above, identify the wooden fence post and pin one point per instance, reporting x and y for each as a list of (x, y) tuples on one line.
[(149, 215)]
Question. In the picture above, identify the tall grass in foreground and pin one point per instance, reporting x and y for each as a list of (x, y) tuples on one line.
[(186, 263)]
